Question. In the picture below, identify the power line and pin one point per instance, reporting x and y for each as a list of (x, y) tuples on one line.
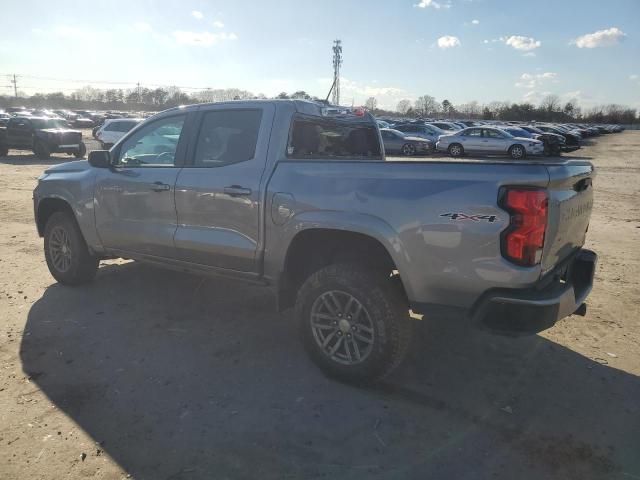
[(112, 82)]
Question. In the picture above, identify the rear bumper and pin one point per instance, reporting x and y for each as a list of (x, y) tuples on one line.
[(559, 294)]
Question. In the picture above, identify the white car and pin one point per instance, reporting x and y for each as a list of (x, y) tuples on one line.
[(113, 130), (488, 141)]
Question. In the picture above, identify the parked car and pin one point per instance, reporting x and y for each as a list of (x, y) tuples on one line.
[(572, 139), (396, 141), (113, 130), (4, 118), (42, 135), (279, 194), (448, 126), (491, 141), (552, 143), (430, 132)]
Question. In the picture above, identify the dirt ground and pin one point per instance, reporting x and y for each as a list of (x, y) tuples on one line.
[(150, 374)]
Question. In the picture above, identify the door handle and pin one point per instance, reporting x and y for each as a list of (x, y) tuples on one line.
[(160, 187), (237, 191)]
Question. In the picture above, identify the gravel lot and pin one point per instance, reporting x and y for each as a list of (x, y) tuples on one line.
[(150, 374)]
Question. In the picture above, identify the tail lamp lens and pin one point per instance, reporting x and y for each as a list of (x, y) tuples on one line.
[(523, 241)]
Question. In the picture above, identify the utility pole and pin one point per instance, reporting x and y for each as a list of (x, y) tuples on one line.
[(15, 85), (139, 99), (337, 62)]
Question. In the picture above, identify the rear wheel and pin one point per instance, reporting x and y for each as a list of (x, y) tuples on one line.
[(353, 322), (456, 150), (82, 151), (4, 151), (66, 252), (517, 152), (408, 149), (41, 150)]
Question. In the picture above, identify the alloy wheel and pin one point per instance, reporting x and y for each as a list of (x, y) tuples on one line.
[(342, 327), (60, 249)]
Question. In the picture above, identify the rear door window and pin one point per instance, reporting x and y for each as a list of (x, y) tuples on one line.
[(319, 137), (227, 137)]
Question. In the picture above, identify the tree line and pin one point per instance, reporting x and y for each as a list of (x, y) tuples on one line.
[(550, 109)]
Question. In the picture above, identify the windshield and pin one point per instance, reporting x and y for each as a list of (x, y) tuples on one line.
[(42, 123)]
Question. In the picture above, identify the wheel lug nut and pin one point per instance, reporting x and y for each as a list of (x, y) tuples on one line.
[(349, 317), (354, 328)]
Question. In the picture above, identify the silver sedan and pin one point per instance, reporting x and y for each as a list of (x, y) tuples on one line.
[(488, 141)]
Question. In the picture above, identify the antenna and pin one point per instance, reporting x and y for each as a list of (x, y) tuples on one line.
[(337, 62)]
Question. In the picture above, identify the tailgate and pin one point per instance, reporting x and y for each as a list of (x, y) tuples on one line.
[(570, 205)]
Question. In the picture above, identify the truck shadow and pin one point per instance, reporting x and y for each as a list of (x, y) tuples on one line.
[(177, 377)]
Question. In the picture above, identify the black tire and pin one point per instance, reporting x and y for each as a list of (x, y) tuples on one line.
[(408, 149), (82, 151), (4, 151), (41, 150), (382, 306), (456, 150), (517, 152), (82, 266)]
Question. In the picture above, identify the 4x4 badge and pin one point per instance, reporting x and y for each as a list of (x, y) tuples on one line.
[(474, 218)]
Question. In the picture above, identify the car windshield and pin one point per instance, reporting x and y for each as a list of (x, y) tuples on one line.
[(396, 132), (42, 123), (517, 132)]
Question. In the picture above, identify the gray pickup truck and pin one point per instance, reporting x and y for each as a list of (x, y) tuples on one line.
[(301, 199)]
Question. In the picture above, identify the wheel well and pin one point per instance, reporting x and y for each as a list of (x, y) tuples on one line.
[(48, 207), (314, 249)]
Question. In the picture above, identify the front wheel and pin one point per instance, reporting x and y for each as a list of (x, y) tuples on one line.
[(408, 149), (517, 152), (41, 150), (66, 252), (353, 322), (456, 150), (82, 151)]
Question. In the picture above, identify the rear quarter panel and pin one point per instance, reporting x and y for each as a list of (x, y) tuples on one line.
[(441, 260)]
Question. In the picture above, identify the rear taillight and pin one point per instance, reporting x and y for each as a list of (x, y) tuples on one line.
[(523, 240)]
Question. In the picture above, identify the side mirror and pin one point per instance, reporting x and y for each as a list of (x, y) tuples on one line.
[(100, 159)]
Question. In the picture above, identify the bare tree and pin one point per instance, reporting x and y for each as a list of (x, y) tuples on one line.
[(403, 106), (551, 103), (371, 103), (426, 104)]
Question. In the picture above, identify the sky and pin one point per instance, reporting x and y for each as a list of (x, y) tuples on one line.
[(460, 50)]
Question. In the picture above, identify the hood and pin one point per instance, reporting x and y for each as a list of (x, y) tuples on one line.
[(525, 139), (417, 139), (60, 130), (76, 166)]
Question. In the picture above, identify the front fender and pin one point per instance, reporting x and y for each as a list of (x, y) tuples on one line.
[(76, 189)]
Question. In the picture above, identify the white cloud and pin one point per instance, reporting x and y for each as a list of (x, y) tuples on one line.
[(475, 22), (387, 96), (202, 39), (521, 43), (448, 41), (197, 14), (529, 54), (218, 24), (634, 77), (601, 38), (66, 31), (533, 80), (142, 27), (432, 4)]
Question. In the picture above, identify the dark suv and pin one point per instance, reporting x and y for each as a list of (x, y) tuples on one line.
[(42, 135)]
